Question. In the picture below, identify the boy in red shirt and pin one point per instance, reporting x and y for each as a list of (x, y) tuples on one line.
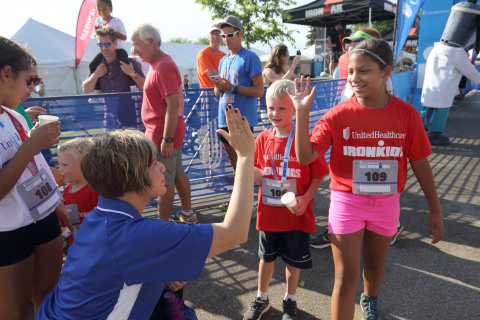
[(79, 198), (283, 233)]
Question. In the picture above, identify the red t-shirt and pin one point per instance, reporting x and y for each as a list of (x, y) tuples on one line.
[(343, 66), (394, 132), (207, 60), (279, 219), (163, 79), (86, 199)]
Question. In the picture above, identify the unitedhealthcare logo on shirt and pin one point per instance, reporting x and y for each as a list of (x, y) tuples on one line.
[(372, 134), (382, 151), (346, 133)]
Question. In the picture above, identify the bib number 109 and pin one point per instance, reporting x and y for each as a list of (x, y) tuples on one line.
[(376, 176)]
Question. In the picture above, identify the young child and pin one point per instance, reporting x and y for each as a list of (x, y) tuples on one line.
[(283, 233), (78, 197), (118, 265), (104, 9), (30, 241), (373, 135)]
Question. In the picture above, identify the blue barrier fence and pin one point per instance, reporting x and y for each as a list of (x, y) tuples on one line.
[(204, 159)]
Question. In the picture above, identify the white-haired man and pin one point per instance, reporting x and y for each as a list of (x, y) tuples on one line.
[(162, 115), (208, 58)]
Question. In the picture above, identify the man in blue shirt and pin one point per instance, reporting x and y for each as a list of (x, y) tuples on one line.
[(119, 262), (241, 80)]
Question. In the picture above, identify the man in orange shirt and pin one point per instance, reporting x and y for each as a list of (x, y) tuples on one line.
[(209, 58)]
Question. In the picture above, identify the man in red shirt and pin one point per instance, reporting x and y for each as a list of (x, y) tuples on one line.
[(162, 115), (208, 59)]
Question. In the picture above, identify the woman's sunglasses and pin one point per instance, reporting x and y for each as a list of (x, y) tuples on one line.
[(106, 44), (229, 35), (36, 81)]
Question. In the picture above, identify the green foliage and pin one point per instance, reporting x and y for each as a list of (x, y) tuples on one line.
[(381, 26), (311, 36), (202, 40), (261, 19), (180, 40)]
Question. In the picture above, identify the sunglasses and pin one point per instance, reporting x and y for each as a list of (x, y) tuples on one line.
[(36, 81), (229, 35), (106, 44)]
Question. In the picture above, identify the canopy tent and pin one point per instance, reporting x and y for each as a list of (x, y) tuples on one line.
[(329, 12), (54, 52)]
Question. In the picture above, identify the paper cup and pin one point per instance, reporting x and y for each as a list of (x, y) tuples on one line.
[(46, 118), (289, 200)]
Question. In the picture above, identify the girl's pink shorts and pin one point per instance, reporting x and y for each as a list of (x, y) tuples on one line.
[(350, 213)]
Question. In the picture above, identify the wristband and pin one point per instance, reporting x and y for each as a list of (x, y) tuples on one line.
[(235, 90), (134, 74)]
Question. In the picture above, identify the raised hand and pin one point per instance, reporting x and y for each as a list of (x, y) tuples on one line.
[(239, 136), (303, 96)]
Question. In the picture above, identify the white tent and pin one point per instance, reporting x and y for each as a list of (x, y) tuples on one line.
[(54, 52)]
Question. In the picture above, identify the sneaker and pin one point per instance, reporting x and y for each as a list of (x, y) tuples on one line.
[(223, 206), (398, 233), (289, 309), (438, 139), (257, 308), (321, 242), (369, 307), (180, 217)]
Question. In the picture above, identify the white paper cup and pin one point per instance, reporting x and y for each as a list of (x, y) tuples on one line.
[(46, 118), (289, 200)]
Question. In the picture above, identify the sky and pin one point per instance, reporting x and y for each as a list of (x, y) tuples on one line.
[(174, 18)]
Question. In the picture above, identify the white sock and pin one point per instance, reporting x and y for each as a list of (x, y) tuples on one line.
[(262, 295), (188, 213), (290, 296)]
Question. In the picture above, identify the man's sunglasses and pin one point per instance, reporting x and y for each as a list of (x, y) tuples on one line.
[(36, 81), (229, 35), (106, 44)]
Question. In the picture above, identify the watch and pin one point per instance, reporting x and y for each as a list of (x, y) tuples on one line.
[(168, 139)]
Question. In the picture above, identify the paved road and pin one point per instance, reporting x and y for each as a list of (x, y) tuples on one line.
[(422, 281)]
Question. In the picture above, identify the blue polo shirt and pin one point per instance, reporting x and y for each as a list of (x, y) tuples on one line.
[(239, 70), (119, 261)]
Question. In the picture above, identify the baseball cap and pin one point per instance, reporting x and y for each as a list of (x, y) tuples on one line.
[(213, 28), (357, 36), (231, 21)]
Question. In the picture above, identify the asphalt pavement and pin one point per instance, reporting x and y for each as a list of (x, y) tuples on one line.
[(422, 281)]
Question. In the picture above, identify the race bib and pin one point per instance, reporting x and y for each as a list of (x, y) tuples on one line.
[(273, 190), (73, 213), (375, 177), (40, 194)]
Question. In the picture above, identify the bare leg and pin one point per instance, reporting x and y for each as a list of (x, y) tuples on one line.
[(16, 289), (292, 274), (346, 249), (165, 203), (375, 250), (265, 272), (182, 184), (48, 266)]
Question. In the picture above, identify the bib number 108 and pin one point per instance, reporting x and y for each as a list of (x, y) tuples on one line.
[(376, 176), (277, 192), (43, 191)]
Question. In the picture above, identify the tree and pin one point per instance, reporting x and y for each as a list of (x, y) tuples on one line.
[(261, 19), (311, 36), (180, 40), (202, 40), (381, 26)]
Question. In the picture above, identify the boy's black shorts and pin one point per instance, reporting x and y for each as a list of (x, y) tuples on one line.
[(293, 246)]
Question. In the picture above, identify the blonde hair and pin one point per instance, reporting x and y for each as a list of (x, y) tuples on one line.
[(278, 89), (119, 162), (78, 147)]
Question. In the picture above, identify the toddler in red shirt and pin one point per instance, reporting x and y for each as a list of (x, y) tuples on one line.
[(78, 197), (283, 233)]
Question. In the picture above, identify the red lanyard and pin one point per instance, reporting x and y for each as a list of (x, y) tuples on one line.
[(32, 165)]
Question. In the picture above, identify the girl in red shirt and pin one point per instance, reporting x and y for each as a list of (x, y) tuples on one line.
[(372, 136)]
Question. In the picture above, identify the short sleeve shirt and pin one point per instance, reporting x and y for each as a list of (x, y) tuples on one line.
[(239, 70), (119, 261), (355, 132), (207, 60), (280, 219)]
